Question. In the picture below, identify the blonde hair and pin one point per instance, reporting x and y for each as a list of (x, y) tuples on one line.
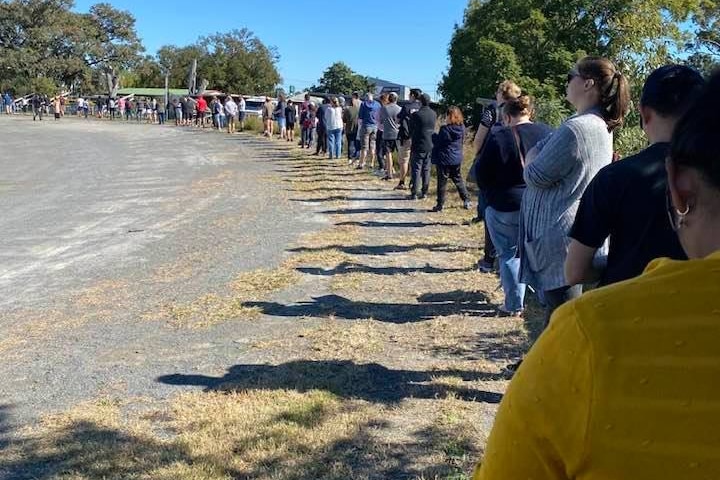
[(509, 90)]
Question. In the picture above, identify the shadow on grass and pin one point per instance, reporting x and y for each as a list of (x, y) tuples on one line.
[(462, 303), (332, 189), (346, 268), (344, 378), (375, 224), (383, 249), (357, 199), (353, 211)]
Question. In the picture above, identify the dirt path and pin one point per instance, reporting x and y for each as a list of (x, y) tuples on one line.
[(369, 349)]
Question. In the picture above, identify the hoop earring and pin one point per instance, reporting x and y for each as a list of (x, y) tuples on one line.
[(681, 216)]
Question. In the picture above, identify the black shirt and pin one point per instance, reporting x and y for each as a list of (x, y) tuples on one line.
[(499, 171), (422, 126), (404, 119), (627, 202)]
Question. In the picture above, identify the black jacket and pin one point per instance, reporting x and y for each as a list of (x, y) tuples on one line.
[(448, 145), (422, 127), (404, 119)]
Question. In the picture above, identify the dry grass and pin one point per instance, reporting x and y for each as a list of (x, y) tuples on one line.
[(213, 308)]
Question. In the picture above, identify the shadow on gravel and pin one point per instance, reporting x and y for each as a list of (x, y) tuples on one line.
[(354, 199), (331, 189), (431, 306), (347, 267), (374, 224), (372, 382), (351, 211), (383, 249), (4, 428)]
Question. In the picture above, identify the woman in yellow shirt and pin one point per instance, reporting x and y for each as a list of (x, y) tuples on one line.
[(625, 383)]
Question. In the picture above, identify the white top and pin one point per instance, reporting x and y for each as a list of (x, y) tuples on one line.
[(333, 118)]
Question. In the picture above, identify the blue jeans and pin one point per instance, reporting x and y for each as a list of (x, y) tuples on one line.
[(504, 228), (335, 143)]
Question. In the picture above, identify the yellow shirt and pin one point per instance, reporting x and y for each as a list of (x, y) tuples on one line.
[(623, 385)]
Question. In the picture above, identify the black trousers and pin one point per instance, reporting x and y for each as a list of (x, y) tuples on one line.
[(555, 298), (420, 166), (452, 172), (321, 140)]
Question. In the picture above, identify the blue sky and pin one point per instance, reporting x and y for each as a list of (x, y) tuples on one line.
[(402, 41)]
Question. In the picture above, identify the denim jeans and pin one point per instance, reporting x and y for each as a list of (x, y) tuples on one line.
[(335, 143), (504, 228)]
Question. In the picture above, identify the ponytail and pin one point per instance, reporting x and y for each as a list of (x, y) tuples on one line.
[(613, 86)]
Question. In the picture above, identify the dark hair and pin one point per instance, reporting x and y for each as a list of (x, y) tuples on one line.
[(613, 87), (455, 116), (424, 99), (355, 95), (520, 106), (670, 89), (415, 92), (694, 142)]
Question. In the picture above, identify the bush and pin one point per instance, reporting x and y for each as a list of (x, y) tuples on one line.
[(254, 123), (551, 111), (629, 141)]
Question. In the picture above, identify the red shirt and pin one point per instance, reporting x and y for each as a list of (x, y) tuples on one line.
[(201, 104)]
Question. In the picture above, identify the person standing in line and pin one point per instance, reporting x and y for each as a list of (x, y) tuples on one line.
[(80, 104), (267, 116), (350, 120), (626, 200), (290, 117), (379, 143), (334, 125), (37, 106), (558, 170), (367, 123), (279, 114), (422, 127), (448, 156), (57, 107), (161, 109), (178, 112), (321, 128), (391, 129), (499, 172), (308, 121), (231, 112), (405, 141), (201, 110), (241, 111), (121, 103)]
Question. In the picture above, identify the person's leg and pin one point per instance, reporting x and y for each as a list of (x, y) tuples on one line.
[(557, 297), (365, 139), (442, 178), (415, 168), (389, 166), (455, 175), (371, 146), (331, 143), (339, 136), (379, 149), (504, 227), (350, 145), (425, 174)]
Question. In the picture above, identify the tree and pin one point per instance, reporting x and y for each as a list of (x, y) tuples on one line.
[(536, 42), (341, 79)]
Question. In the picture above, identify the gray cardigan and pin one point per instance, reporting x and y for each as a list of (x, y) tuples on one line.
[(565, 164)]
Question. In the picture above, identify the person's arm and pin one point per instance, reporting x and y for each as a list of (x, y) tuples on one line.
[(579, 267), (555, 160), (487, 163), (487, 120), (599, 206), (540, 429)]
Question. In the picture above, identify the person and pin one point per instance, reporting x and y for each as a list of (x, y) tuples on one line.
[(161, 109), (267, 116), (80, 106), (499, 173), (37, 106), (241, 111), (201, 106), (178, 112), (320, 128), (391, 129), (290, 118), (367, 123), (231, 113), (626, 200), (447, 156), (129, 108), (350, 120), (121, 104), (7, 102), (62, 106), (405, 142), (489, 121), (279, 114), (558, 170), (334, 125), (379, 142), (57, 107), (422, 127), (308, 120), (112, 107), (623, 383)]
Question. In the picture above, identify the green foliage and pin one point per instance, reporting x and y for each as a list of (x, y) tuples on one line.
[(630, 140), (536, 42), (341, 79), (45, 38), (236, 61), (551, 111)]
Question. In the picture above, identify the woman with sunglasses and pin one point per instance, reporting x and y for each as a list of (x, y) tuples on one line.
[(623, 384), (559, 169)]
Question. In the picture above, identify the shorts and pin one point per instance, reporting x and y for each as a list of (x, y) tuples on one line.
[(404, 151), (291, 125), (281, 122), (367, 137), (241, 116), (391, 145)]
